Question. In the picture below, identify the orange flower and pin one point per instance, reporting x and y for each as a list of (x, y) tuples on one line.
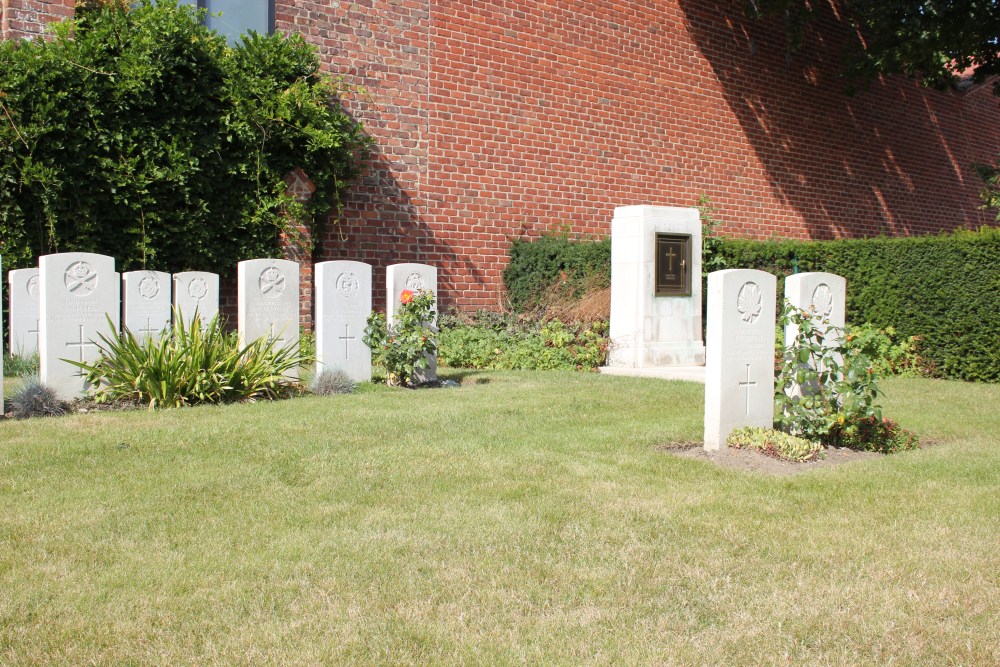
[(406, 296)]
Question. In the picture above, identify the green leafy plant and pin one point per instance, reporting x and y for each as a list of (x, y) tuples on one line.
[(990, 192), (826, 391), (139, 133), (193, 364), (555, 265), (504, 342), (403, 347), (775, 444), (880, 435), (824, 388), (890, 353), (712, 258), (18, 365), (34, 399), (943, 289)]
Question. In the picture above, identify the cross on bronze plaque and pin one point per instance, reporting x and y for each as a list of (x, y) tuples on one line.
[(673, 265)]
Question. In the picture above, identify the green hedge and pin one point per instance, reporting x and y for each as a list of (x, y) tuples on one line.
[(536, 265), (945, 289)]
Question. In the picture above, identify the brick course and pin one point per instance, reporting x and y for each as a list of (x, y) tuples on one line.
[(503, 118)]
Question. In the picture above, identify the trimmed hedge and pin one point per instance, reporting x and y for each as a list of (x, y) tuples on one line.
[(536, 265), (945, 289)]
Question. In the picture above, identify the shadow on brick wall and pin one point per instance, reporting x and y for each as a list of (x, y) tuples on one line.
[(892, 159), (384, 222)]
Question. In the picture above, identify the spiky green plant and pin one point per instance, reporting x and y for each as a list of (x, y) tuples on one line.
[(18, 365), (193, 363)]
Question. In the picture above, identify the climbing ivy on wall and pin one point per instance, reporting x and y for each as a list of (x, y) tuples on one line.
[(139, 133)]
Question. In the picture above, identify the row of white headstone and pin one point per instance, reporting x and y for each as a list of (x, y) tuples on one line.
[(63, 307), (739, 342)]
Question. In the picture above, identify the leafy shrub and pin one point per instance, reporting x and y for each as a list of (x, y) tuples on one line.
[(827, 388), (712, 258), (497, 342), (824, 388), (36, 400), (555, 261), (943, 289), (139, 133), (880, 435), (775, 444), (889, 353), (403, 348), (18, 365), (195, 364), (331, 382)]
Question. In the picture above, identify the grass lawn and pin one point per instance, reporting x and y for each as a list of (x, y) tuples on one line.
[(522, 518)]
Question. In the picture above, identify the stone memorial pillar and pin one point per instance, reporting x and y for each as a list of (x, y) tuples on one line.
[(656, 287), (79, 292), (23, 311), (146, 299), (343, 303), (739, 364), (196, 292), (413, 277)]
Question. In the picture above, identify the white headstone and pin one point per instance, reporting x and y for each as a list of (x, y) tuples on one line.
[(739, 364), (413, 277), (146, 303), (23, 311), (79, 292), (823, 294), (343, 303), (196, 292), (655, 326), (268, 301)]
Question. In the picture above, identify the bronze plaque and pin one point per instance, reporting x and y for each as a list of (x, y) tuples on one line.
[(673, 265)]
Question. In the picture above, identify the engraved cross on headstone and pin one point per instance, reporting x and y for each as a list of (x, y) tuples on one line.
[(347, 338), (277, 339), (35, 331), (748, 385), (149, 330), (80, 344)]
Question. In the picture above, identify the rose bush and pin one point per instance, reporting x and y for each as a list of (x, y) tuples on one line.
[(404, 346)]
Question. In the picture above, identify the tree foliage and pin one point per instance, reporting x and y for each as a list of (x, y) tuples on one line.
[(935, 41), (139, 133), (941, 43)]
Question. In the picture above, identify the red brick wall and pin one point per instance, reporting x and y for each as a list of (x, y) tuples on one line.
[(28, 18), (502, 118)]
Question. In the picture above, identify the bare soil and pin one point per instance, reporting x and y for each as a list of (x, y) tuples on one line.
[(755, 461)]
